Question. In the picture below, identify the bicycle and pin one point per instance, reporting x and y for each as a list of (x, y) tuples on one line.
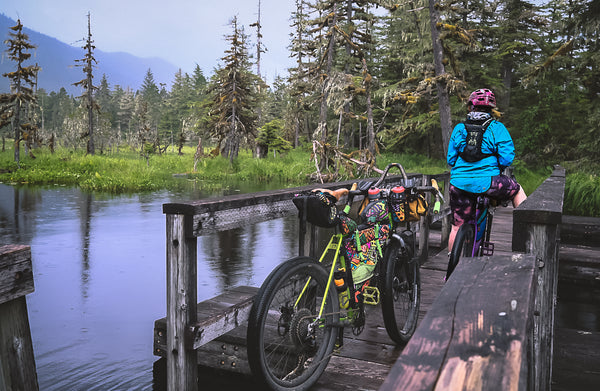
[(301, 309), (473, 237)]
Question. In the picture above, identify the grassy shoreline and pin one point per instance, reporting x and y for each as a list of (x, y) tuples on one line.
[(128, 172)]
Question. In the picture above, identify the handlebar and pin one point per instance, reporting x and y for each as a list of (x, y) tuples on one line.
[(387, 169)]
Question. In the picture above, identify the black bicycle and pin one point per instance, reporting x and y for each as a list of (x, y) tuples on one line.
[(301, 309)]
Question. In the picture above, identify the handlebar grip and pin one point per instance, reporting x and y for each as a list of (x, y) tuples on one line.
[(437, 207)]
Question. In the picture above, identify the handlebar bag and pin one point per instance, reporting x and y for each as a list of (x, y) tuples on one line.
[(318, 208)]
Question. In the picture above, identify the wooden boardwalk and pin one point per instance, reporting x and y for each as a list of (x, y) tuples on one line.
[(365, 360)]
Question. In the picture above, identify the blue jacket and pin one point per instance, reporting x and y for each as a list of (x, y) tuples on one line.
[(477, 177)]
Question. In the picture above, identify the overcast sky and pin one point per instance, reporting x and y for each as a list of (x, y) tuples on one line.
[(183, 32)]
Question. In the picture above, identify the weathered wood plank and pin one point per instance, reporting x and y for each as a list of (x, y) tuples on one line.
[(17, 362), (223, 213), (580, 230), (475, 336), (181, 302), (16, 272), (543, 207)]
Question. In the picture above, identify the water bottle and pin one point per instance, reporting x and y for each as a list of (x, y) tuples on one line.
[(342, 288), (397, 202)]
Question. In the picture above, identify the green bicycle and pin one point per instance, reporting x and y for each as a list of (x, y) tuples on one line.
[(301, 309)]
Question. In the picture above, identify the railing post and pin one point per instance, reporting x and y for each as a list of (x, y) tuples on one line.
[(182, 360), (447, 219), (17, 362), (536, 230)]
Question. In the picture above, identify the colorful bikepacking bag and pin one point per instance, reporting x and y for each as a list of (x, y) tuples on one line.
[(318, 208), (363, 249), (376, 211)]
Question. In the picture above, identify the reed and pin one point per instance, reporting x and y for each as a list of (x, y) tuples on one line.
[(582, 195)]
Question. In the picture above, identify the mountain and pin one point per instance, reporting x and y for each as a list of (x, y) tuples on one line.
[(57, 60)]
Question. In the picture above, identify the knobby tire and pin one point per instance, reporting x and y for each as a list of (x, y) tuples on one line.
[(282, 351), (401, 296), (463, 246)]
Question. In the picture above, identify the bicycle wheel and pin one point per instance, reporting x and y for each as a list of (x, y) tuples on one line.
[(288, 347), (401, 295), (463, 246)]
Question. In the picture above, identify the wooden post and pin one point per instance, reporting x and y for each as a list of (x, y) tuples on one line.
[(536, 230), (424, 225), (182, 360), (17, 362), (447, 219)]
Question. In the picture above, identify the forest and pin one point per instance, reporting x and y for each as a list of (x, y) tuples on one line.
[(370, 76)]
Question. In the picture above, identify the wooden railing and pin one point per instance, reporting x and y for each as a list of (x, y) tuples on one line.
[(490, 328), (187, 221), (17, 362)]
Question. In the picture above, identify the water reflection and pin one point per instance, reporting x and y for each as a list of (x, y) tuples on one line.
[(99, 271)]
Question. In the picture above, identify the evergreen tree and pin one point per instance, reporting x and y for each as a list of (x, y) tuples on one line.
[(15, 106), (178, 108), (150, 91), (87, 63), (233, 96)]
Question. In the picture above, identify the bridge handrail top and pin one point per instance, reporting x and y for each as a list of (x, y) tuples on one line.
[(212, 204)]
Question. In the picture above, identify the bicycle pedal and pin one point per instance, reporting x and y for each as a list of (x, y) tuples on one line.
[(371, 295), (487, 249)]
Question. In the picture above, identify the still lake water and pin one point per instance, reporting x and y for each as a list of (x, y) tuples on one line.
[(99, 273)]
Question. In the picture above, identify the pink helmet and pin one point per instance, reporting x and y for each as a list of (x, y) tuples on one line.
[(483, 97)]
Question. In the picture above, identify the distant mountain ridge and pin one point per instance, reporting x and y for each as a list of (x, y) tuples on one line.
[(57, 60)]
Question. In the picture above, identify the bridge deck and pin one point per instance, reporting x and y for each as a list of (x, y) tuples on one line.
[(365, 360)]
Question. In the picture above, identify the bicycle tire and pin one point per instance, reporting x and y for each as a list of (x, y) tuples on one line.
[(401, 297), (282, 352), (463, 246)]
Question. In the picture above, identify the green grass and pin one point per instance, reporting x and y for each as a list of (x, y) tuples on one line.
[(128, 172)]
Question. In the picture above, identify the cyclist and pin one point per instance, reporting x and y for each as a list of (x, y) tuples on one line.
[(479, 150)]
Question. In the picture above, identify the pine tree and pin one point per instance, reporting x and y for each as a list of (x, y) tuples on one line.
[(87, 63), (233, 96), (15, 106)]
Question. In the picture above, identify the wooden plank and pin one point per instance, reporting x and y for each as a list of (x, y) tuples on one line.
[(207, 311), (223, 213), (580, 230), (17, 362), (233, 316), (182, 365), (475, 336), (543, 206), (16, 272)]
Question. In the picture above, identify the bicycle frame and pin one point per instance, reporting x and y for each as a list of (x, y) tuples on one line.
[(482, 227)]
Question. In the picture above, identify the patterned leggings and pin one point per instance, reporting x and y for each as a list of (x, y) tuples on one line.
[(462, 203)]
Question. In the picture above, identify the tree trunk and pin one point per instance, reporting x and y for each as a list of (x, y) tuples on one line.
[(443, 98), (370, 127), (325, 88), (507, 73)]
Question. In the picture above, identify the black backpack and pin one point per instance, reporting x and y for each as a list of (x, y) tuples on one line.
[(475, 131)]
